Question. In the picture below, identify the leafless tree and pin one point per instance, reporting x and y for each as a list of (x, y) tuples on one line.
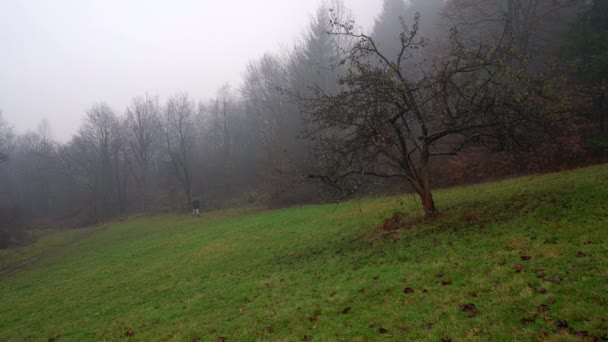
[(277, 123), (6, 135), (143, 131), (263, 81), (225, 105), (178, 129), (102, 133)]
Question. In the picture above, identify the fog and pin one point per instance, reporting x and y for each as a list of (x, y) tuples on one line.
[(110, 109), (285, 133), (60, 57)]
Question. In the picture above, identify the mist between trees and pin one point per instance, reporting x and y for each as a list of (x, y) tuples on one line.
[(439, 93)]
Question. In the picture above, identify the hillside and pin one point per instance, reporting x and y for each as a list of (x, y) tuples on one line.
[(522, 259)]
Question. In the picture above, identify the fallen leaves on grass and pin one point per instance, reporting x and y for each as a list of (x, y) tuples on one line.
[(544, 334), (561, 323), (470, 308), (539, 273), (396, 222), (528, 320), (542, 308), (600, 337), (556, 280)]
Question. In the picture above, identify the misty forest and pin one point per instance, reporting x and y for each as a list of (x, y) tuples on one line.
[(400, 144)]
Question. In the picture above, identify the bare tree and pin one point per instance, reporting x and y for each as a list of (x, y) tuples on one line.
[(101, 131), (6, 135), (143, 130), (178, 130), (387, 124), (263, 81), (277, 123), (45, 132), (225, 106)]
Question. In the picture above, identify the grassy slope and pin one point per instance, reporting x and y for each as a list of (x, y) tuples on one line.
[(293, 273)]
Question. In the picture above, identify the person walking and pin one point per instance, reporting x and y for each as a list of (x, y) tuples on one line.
[(196, 205)]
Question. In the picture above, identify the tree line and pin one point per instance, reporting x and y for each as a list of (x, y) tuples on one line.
[(438, 93)]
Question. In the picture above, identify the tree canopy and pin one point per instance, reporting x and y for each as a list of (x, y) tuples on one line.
[(386, 123)]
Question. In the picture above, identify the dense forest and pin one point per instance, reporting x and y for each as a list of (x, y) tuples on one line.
[(439, 93)]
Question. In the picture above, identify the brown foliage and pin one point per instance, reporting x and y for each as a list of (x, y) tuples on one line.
[(477, 164), (396, 222)]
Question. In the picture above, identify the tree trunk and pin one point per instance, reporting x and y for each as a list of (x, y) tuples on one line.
[(428, 204), (424, 185), (603, 111), (143, 195)]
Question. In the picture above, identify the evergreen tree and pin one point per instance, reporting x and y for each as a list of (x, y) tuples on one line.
[(430, 17), (315, 62), (388, 26)]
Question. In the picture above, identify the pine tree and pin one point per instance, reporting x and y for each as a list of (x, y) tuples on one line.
[(387, 26), (430, 17), (315, 62)]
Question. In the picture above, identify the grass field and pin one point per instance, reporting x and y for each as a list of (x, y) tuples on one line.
[(522, 259)]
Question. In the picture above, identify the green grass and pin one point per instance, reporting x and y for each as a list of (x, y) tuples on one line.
[(326, 273)]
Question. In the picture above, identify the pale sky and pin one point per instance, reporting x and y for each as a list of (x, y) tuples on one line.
[(59, 57)]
